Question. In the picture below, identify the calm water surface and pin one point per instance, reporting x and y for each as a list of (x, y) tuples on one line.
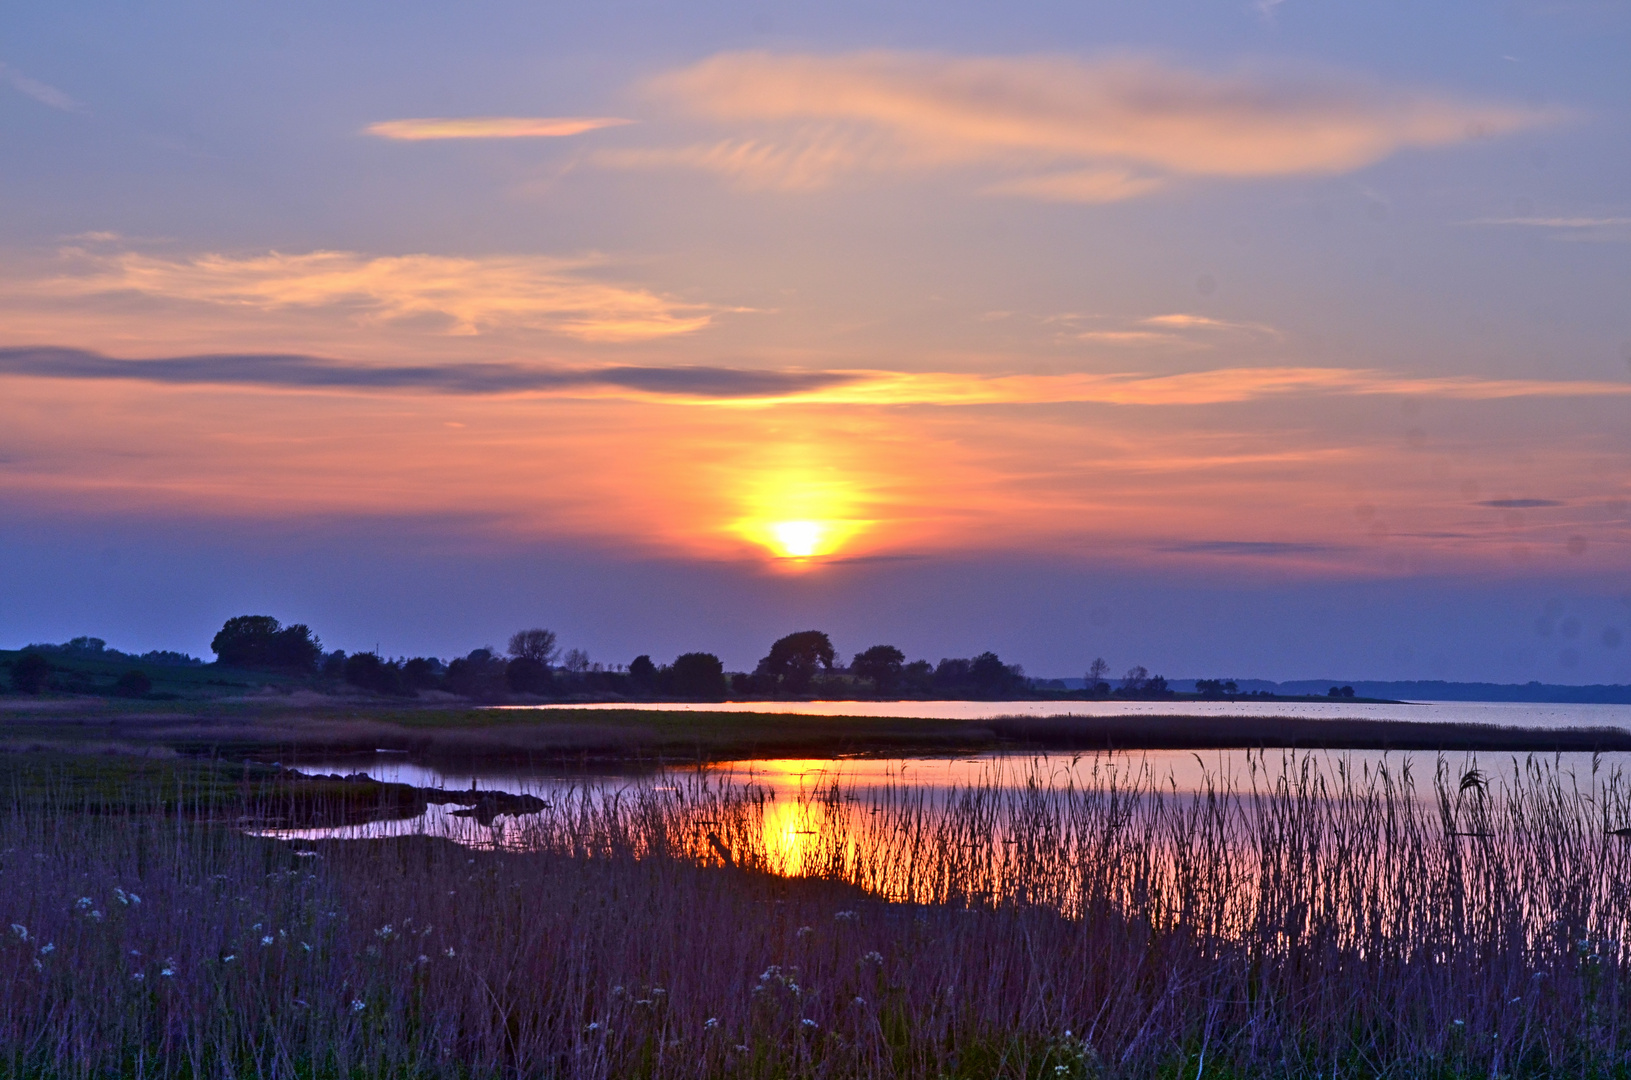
[(1500, 713)]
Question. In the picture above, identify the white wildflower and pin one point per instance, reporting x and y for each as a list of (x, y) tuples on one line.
[(594, 1025), (807, 1022), (357, 1005), (711, 1023), (873, 957), (229, 958), (845, 916), (84, 903), (168, 971), (384, 933), (859, 1001), (96, 915), (804, 930), (423, 959), (121, 896), (20, 930), (47, 949), (305, 947), (448, 952), (138, 977)]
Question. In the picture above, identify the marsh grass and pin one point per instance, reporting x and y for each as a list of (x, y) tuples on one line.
[(1311, 919)]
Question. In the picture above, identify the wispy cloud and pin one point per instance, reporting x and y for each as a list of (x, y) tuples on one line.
[(281, 371), (1050, 127), (40, 92), (762, 387), (1180, 330), (491, 127), (459, 295)]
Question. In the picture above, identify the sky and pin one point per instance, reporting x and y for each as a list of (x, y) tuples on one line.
[(1285, 339)]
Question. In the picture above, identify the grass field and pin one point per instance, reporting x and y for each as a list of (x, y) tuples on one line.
[(289, 729)]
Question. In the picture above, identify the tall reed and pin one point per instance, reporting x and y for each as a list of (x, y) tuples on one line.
[(1311, 918)]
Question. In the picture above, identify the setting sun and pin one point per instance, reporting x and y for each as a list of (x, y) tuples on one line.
[(798, 539)]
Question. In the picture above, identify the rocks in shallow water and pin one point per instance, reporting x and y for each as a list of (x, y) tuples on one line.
[(485, 806)]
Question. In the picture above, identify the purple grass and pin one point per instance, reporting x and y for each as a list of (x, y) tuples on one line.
[(1312, 922)]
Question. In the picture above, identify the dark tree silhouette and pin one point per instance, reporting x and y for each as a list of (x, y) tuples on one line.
[(1098, 672), (259, 641), (643, 673), (422, 673), (698, 676), (794, 659), (524, 675), (990, 677), (881, 665), (536, 644), (369, 671), (480, 675), (30, 673)]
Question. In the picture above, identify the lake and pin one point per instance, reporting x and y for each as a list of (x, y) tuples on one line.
[(1499, 713)]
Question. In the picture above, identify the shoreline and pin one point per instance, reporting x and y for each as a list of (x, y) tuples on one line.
[(636, 737)]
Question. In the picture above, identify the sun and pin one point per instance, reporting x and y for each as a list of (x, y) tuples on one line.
[(798, 539), (798, 518)]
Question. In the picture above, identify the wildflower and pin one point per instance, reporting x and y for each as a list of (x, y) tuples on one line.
[(138, 977), (384, 933), (168, 971), (84, 903), (357, 1005), (803, 930), (96, 915), (47, 949), (229, 958), (740, 1049), (844, 916), (307, 855), (266, 940), (20, 930), (807, 1022), (657, 991), (594, 1025), (711, 1023), (873, 957), (448, 952), (859, 1001), (423, 959), (1459, 1023), (304, 947), (121, 896)]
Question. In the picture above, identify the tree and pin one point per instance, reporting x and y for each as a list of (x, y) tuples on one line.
[(642, 672), (30, 673), (698, 676), (535, 644), (367, 670), (917, 677), (524, 675), (1134, 681), (1098, 672), (990, 677), (793, 660), (881, 665), (422, 673), (576, 661), (480, 675), (259, 641)]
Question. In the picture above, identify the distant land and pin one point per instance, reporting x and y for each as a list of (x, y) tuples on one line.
[(1538, 693)]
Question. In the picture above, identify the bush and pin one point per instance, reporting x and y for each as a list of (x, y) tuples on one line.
[(133, 683), (698, 676), (30, 673)]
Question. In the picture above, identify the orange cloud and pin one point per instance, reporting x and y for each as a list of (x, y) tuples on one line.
[(491, 127), (467, 295), (1066, 129)]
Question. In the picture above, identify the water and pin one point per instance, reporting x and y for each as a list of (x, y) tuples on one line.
[(1498, 713)]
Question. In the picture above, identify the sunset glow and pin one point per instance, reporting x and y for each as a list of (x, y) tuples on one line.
[(1053, 335)]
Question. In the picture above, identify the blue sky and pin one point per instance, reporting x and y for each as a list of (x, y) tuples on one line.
[(1277, 340)]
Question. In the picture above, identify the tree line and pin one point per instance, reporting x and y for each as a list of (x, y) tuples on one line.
[(533, 665)]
